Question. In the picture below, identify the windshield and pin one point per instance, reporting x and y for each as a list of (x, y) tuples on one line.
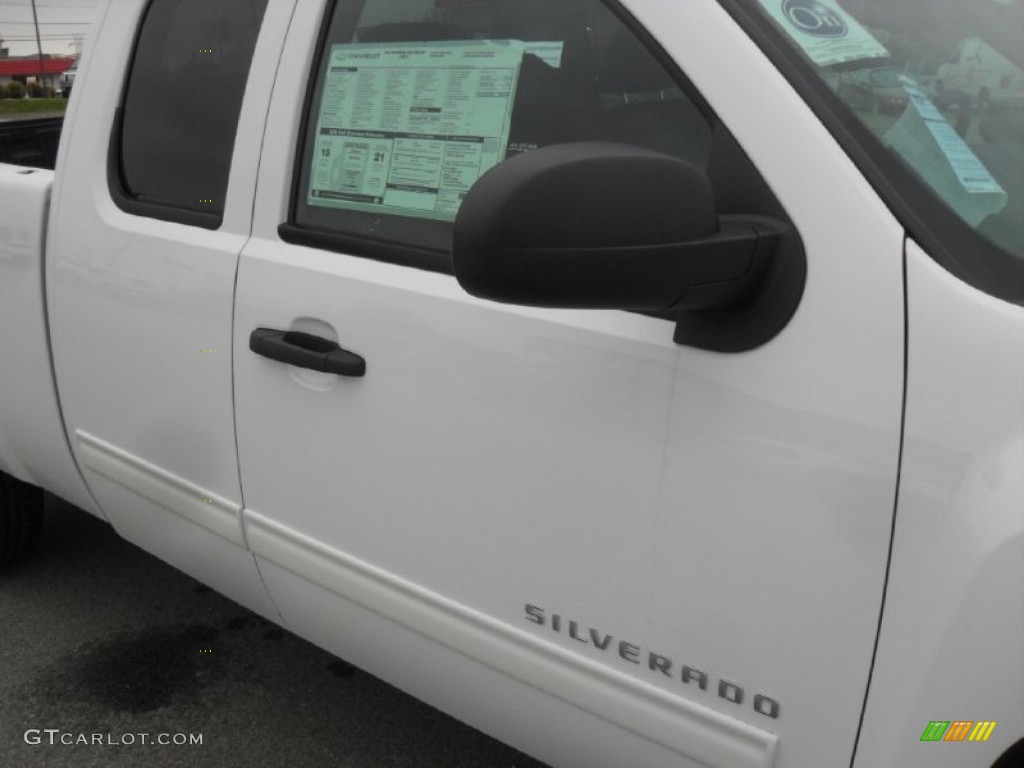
[(938, 83)]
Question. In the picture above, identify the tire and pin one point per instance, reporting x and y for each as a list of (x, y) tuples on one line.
[(21, 519)]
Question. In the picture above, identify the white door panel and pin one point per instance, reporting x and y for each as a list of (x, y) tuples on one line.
[(141, 314), (482, 436), (520, 697), (729, 513)]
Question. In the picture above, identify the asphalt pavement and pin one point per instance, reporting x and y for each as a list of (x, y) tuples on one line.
[(103, 643)]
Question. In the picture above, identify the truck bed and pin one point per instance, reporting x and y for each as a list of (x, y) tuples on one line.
[(33, 446), (31, 143)]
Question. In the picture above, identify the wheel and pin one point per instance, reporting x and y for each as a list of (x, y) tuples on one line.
[(21, 519)]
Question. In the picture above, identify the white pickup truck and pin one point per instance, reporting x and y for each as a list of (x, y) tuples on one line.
[(589, 369), (982, 72)]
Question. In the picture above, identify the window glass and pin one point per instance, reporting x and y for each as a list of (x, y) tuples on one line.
[(183, 99), (939, 83), (415, 99)]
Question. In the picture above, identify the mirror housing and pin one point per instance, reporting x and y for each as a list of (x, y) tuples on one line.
[(604, 226)]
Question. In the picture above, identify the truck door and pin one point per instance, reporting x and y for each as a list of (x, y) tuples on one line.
[(561, 525), (152, 205)]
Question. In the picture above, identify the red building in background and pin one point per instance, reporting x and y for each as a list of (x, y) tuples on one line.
[(25, 69)]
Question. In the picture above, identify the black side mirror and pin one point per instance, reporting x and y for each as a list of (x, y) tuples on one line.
[(605, 226)]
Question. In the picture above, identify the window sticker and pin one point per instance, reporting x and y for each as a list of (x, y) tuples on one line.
[(925, 139), (826, 33), (549, 53), (408, 128)]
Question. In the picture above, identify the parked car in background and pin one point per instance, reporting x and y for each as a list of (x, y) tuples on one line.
[(987, 75), (886, 85), (67, 80), (853, 93)]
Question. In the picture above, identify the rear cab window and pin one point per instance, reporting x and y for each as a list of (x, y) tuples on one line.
[(172, 144)]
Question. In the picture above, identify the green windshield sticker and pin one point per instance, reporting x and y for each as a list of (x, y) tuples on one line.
[(926, 140), (408, 128), (549, 53), (826, 33)]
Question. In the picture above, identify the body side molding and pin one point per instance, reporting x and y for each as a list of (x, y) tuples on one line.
[(187, 500), (684, 727)]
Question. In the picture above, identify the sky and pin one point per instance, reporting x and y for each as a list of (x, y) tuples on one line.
[(59, 22)]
